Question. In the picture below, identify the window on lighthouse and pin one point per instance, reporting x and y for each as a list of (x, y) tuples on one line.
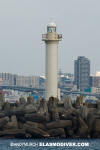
[(51, 29)]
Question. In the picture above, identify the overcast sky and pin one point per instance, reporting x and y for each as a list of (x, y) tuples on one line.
[(22, 23)]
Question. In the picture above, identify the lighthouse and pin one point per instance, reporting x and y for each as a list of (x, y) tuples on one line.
[(51, 39)]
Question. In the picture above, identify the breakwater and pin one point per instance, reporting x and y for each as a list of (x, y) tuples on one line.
[(49, 119)]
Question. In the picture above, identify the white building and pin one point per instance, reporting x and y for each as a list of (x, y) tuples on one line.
[(8, 79), (27, 81), (98, 73)]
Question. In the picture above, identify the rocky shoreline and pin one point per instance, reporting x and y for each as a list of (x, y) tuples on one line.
[(49, 119)]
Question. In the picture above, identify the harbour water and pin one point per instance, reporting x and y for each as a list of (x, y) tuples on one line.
[(34, 144)]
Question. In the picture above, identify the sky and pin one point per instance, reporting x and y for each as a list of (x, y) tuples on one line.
[(22, 23)]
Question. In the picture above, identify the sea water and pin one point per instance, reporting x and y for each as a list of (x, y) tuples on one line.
[(35, 144)]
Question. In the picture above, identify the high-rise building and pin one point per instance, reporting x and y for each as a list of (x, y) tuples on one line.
[(82, 72), (28, 81), (95, 81), (7, 79)]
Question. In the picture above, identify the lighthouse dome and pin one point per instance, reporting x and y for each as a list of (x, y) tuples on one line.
[(51, 24)]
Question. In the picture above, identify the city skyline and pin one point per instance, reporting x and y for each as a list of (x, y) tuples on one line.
[(23, 23)]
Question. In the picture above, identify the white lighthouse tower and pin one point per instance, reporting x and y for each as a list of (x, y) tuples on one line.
[(51, 39)]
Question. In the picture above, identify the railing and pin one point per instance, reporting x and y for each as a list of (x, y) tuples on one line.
[(43, 36), (60, 36), (54, 37)]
